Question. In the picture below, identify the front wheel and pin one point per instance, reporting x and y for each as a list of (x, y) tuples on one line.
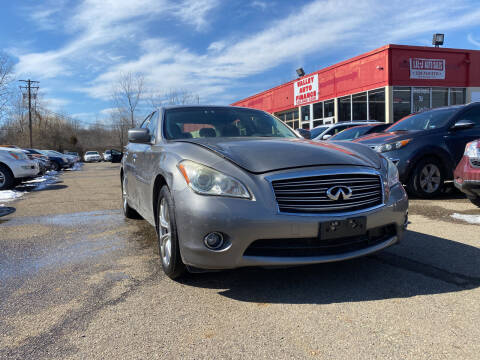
[(172, 263), (427, 178), (475, 201), (7, 180)]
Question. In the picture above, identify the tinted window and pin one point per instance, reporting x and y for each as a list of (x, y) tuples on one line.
[(317, 131), (472, 115), (427, 120), (184, 123), (351, 133)]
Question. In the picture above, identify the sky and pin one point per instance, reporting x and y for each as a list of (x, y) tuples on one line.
[(220, 50)]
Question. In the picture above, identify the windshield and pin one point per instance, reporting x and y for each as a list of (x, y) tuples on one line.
[(351, 133), (427, 120), (203, 122), (317, 131), (91, 153)]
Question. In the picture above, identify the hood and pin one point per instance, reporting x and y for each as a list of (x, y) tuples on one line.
[(260, 155), (386, 137)]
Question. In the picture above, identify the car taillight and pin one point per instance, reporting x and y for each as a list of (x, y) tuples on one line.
[(472, 150)]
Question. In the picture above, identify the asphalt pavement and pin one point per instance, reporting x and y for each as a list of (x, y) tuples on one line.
[(78, 281)]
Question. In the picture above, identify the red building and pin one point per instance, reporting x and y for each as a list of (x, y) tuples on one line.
[(384, 84)]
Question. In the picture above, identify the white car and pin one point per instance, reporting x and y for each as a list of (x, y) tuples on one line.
[(91, 156), (107, 155), (15, 166), (324, 132)]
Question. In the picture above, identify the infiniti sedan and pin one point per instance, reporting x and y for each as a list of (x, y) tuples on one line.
[(227, 187)]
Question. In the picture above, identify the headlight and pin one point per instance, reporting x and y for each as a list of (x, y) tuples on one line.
[(392, 146), (207, 181), (392, 173)]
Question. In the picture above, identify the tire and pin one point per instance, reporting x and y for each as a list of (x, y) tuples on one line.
[(128, 212), (7, 180), (427, 178), (168, 245), (475, 201), (56, 166)]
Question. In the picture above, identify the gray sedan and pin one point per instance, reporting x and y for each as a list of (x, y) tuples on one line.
[(228, 187)]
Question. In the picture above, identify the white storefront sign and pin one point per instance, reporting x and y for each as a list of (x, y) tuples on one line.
[(306, 90), (427, 68)]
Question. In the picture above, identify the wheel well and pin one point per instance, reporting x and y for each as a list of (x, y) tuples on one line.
[(7, 167), (429, 156), (159, 182)]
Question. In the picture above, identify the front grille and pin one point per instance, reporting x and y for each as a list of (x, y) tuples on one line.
[(475, 162), (304, 247), (309, 194)]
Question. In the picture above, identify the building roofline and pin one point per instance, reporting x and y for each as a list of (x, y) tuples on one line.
[(358, 57)]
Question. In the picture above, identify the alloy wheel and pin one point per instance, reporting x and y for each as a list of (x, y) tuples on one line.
[(164, 230), (2, 179), (430, 178)]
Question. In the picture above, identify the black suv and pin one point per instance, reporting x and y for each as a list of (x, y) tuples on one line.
[(427, 146)]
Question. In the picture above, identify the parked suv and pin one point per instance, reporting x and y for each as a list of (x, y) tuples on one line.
[(91, 156), (15, 166), (427, 146), (228, 187)]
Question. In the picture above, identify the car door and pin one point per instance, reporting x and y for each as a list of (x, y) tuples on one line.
[(457, 139), (145, 162)]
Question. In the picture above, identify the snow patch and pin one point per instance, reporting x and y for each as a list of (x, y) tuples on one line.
[(471, 219), (75, 167), (10, 195)]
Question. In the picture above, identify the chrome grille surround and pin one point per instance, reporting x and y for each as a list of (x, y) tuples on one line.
[(304, 193)]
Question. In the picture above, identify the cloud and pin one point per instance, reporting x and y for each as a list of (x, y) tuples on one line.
[(320, 29), (194, 12), (472, 40), (55, 104), (262, 5), (99, 25)]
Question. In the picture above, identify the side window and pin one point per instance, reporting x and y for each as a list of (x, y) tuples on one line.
[(340, 128), (472, 115), (153, 124)]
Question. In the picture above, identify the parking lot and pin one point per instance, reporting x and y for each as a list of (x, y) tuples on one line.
[(80, 281)]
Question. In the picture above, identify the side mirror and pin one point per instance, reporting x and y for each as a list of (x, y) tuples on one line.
[(326, 137), (139, 135), (463, 124)]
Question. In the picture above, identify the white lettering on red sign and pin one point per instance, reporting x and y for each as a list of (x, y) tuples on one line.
[(427, 68), (306, 90)]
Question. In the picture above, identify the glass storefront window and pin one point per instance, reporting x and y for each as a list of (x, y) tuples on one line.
[(344, 109), (318, 110), (401, 102), (329, 107), (421, 99), (317, 123), (359, 106), (306, 113), (376, 105), (439, 97), (457, 96)]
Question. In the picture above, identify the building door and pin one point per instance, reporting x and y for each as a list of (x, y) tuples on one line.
[(421, 99)]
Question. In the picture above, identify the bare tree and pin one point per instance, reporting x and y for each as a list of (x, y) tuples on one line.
[(174, 97), (127, 93), (6, 77)]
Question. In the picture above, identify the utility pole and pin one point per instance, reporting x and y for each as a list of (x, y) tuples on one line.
[(29, 88)]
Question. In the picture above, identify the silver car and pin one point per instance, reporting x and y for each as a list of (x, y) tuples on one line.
[(227, 187)]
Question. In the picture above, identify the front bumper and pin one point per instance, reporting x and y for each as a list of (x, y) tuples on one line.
[(243, 222), (25, 169)]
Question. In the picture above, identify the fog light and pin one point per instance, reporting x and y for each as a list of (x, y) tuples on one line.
[(214, 240)]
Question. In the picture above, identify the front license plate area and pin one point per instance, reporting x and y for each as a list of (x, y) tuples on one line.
[(336, 229)]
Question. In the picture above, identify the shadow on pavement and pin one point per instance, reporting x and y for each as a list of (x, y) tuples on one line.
[(434, 266)]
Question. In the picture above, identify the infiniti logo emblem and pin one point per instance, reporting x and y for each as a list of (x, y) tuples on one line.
[(335, 192)]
